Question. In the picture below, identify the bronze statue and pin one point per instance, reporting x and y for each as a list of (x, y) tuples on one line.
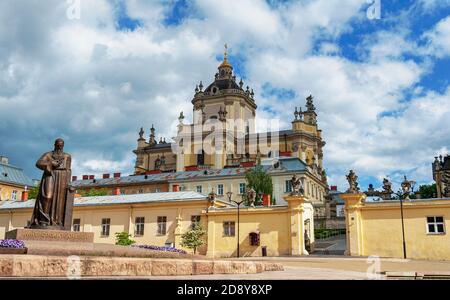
[(54, 202), (352, 179), (297, 186)]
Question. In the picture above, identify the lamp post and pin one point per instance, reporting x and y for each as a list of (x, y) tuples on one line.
[(238, 203), (407, 188)]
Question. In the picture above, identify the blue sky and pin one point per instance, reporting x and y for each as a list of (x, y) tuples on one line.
[(381, 86)]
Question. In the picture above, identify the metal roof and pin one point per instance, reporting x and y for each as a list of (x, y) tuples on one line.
[(116, 199), (286, 165), (14, 175)]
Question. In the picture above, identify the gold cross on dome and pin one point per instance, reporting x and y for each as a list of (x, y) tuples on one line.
[(225, 54)]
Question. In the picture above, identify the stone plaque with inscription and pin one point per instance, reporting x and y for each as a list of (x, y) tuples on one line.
[(50, 235)]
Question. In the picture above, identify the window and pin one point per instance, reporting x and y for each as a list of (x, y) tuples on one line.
[(105, 227), (139, 224), (157, 190), (220, 189), (195, 220), (76, 224), (14, 195), (241, 188), (228, 228), (199, 188), (254, 238), (122, 191), (288, 186), (201, 158), (435, 225), (141, 191), (162, 225)]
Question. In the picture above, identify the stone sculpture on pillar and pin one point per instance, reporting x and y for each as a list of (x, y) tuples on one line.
[(352, 179), (297, 186)]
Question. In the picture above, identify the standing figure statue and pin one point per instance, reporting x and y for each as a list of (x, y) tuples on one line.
[(54, 202), (352, 179), (407, 187), (297, 186), (251, 196)]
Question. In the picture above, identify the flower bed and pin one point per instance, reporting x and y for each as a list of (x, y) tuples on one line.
[(158, 248), (11, 246), (11, 243)]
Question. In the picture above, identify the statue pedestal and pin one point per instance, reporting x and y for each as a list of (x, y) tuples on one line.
[(50, 235)]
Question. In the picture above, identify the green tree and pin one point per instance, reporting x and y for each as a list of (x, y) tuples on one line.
[(33, 192), (261, 182), (428, 191), (193, 238), (93, 192), (123, 239)]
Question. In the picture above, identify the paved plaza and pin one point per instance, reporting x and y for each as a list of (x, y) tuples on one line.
[(333, 268)]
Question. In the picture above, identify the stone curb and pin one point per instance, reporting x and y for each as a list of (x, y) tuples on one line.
[(75, 267)]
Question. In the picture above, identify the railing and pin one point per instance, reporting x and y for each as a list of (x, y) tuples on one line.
[(320, 234)]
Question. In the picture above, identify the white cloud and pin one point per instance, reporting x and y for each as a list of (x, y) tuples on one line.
[(96, 86), (439, 39)]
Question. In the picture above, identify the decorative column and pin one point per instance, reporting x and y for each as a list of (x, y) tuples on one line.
[(353, 222), (296, 206)]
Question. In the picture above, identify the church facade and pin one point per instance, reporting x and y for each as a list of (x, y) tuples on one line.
[(223, 135)]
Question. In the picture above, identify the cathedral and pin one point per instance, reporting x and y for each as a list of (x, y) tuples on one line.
[(223, 133)]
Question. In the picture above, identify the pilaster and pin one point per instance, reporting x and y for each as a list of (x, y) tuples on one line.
[(353, 223)]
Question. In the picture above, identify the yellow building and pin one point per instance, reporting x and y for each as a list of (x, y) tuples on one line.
[(233, 180), (13, 181), (161, 218), (375, 228)]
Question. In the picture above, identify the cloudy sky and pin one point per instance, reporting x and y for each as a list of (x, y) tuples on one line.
[(93, 74)]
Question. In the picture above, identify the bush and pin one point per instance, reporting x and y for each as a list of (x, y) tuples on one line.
[(123, 239), (193, 238)]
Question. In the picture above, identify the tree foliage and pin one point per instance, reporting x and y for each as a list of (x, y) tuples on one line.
[(93, 192), (193, 238), (261, 182), (33, 192), (428, 191), (123, 239)]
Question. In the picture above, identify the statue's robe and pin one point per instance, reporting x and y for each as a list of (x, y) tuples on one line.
[(51, 201)]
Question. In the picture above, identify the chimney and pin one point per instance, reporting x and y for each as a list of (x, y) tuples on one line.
[(74, 178), (266, 200), (333, 188), (105, 176), (175, 188), (91, 177), (24, 195), (85, 177), (4, 160), (116, 175), (116, 191)]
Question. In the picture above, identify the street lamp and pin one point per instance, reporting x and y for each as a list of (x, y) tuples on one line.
[(238, 203), (407, 188)]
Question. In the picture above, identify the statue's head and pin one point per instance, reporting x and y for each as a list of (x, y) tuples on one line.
[(59, 144)]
